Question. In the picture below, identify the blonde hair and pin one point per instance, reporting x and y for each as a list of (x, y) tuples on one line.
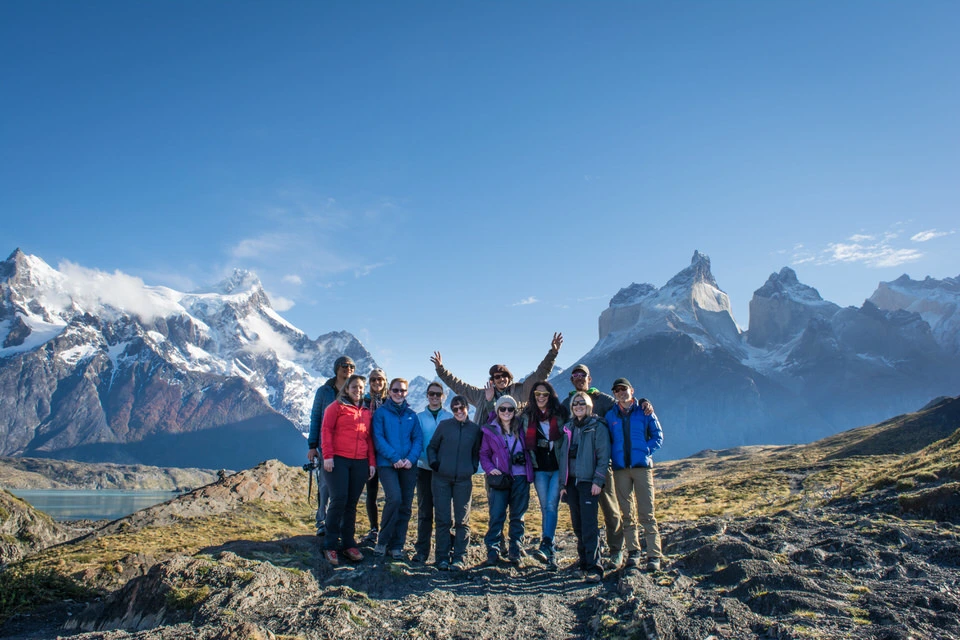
[(586, 397), (403, 380)]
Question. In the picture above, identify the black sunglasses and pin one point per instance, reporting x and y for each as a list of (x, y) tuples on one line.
[(578, 403), (401, 391), (434, 394)]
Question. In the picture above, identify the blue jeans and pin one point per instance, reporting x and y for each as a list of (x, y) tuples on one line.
[(547, 484), (398, 488), (517, 498)]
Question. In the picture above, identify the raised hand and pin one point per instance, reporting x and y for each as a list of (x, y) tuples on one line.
[(436, 359), (488, 390), (556, 342)]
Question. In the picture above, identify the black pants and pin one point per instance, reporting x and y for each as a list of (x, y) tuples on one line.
[(398, 487), (586, 526), (373, 488), (346, 484), (424, 512), (455, 494)]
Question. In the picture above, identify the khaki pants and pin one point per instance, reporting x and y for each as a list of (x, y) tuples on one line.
[(610, 507), (636, 485)]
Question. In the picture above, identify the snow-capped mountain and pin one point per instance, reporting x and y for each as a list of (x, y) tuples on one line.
[(806, 367), (691, 303), (937, 302), (112, 361)]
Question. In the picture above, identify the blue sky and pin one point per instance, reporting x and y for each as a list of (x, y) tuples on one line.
[(472, 176)]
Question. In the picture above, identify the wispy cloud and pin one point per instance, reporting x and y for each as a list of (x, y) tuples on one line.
[(873, 255), (91, 288), (930, 234), (279, 303), (292, 278), (367, 269), (872, 250), (525, 301)]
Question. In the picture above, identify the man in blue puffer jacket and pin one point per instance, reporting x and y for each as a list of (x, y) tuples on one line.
[(398, 441), (635, 437)]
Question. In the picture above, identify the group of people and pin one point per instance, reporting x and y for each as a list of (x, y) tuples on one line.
[(592, 450)]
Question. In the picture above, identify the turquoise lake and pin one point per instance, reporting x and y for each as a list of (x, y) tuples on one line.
[(76, 504)]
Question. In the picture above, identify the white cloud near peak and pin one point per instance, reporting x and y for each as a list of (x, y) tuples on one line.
[(292, 278), (526, 301), (930, 234)]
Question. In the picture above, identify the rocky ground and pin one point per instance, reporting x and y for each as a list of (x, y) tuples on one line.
[(839, 539), (47, 473), (827, 573)]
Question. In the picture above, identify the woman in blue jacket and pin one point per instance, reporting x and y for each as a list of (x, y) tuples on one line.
[(398, 441)]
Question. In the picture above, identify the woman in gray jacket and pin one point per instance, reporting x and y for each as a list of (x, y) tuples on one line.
[(584, 454)]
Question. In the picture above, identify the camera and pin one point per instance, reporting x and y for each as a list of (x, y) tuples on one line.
[(573, 450), (519, 458), (543, 443), (310, 466)]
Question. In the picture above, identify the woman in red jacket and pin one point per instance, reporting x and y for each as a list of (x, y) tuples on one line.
[(349, 460)]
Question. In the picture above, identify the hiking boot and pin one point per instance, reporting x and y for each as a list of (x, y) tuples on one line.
[(633, 559), (419, 558), (551, 563), (457, 565), (594, 575), (493, 557), (322, 530), (370, 538), (615, 560), (380, 550), (514, 558), (443, 565), (397, 554), (331, 557), (545, 551), (353, 554), (653, 564)]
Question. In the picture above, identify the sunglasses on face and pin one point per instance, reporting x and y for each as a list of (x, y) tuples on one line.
[(348, 367), (578, 403), (506, 409), (458, 408), (501, 376), (542, 394), (400, 391), (434, 394), (578, 374), (620, 389)]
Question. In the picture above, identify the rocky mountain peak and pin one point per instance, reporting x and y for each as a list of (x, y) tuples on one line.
[(782, 308), (632, 294), (698, 271), (240, 281), (937, 302)]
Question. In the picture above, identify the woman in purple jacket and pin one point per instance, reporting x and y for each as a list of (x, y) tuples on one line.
[(509, 472)]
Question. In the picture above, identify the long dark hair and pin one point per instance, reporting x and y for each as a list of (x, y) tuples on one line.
[(554, 407)]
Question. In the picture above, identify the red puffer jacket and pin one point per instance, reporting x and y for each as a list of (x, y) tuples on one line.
[(346, 433)]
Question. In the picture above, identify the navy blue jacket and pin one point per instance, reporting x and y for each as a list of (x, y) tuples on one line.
[(396, 434), (633, 447)]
